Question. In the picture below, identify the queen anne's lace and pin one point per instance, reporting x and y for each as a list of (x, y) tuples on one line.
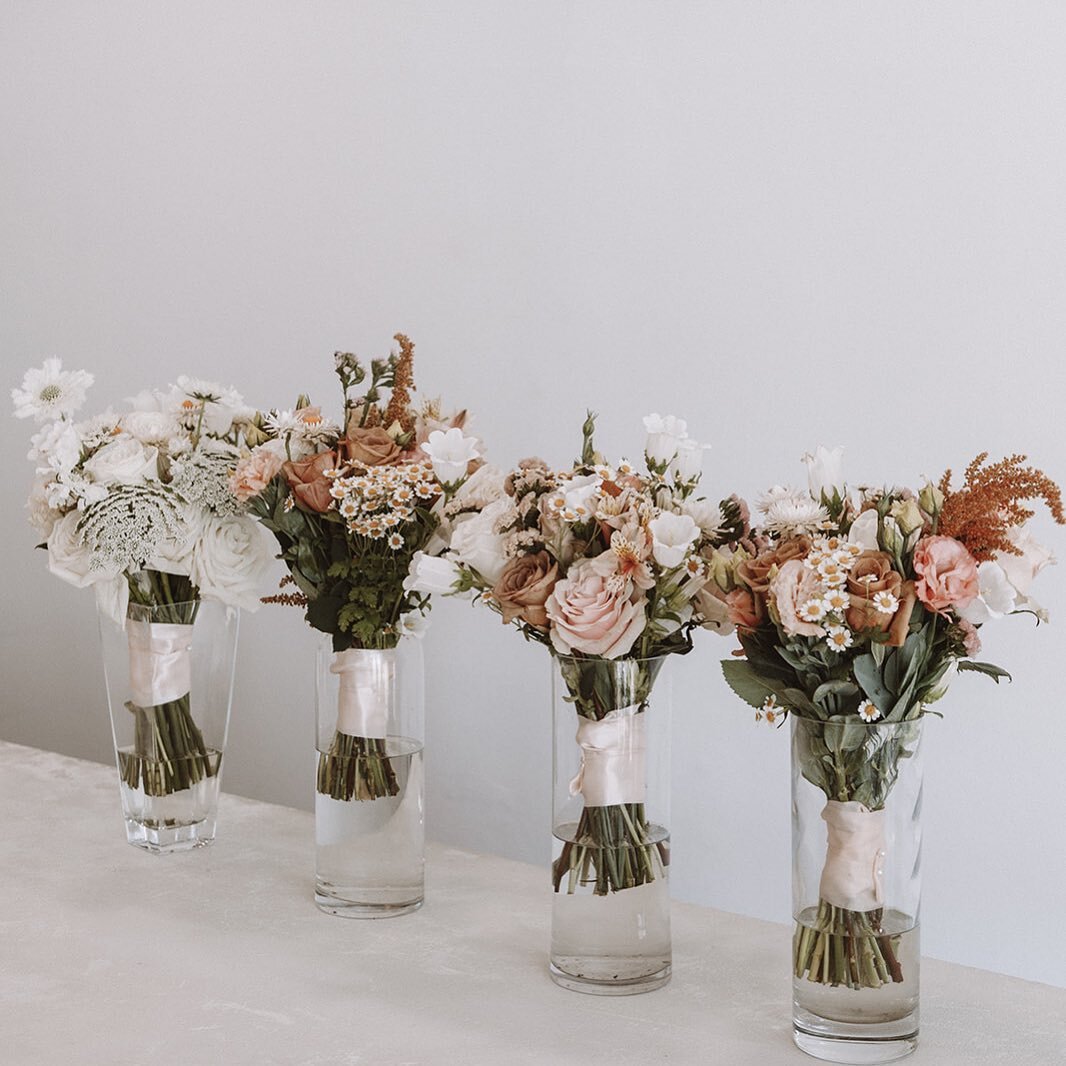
[(130, 526), (201, 479)]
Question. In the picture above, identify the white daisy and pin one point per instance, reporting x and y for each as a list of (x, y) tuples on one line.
[(836, 601), (813, 611), (838, 638), (770, 711), (868, 712), (395, 541), (348, 507), (885, 602), (50, 392)]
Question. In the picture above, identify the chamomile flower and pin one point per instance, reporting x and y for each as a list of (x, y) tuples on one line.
[(694, 566), (885, 602), (814, 559), (770, 711), (338, 491), (868, 712), (838, 638), (395, 541), (854, 550), (836, 601), (813, 610), (348, 507), (424, 490), (831, 571), (625, 468)]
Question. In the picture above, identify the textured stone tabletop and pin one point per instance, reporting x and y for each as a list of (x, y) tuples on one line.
[(219, 956)]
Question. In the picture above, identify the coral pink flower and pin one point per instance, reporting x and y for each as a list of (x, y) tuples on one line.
[(592, 614), (253, 473), (794, 586), (947, 573)]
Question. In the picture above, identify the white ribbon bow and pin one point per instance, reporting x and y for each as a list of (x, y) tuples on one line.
[(367, 684), (613, 759), (160, 661), (853, 876)]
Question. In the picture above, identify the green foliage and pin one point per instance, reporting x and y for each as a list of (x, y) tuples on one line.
[(988, 669)]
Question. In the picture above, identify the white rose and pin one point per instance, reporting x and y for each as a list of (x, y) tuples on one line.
[(825, 472), (450, 451), (42, 516), (672, 536), (707, 515), (231, 559), (688, 460), (69, 557), (482, 487), (477, 544), (124, 461), (665, 433), (864, 531), (149, 427), (996, 598), (577, 494), (175, 556), (429, 574)]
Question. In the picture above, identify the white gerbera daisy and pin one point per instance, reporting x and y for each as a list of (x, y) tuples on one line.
[(885, 602), (838, 638), (50, 392), (868, 712)]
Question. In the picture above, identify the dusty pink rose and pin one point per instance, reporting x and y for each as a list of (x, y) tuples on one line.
[(253, 473), (588, 615), (743, 610), (947, 573), (308, 481), (790, 589), (970, 639)]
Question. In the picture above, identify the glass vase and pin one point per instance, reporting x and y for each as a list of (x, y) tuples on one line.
[(610, 930), (856, 851), (369, 786), (169, 673)]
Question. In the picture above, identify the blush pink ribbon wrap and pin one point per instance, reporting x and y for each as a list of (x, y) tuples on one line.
[(613, 758), (160, 661), (367, 681), (854, 859)]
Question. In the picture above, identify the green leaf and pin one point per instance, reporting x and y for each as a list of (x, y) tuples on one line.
[(869, 678), (835, 688), (988, 669), (741, 677)]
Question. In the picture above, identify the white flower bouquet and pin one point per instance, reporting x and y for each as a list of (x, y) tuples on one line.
[(137, 506)]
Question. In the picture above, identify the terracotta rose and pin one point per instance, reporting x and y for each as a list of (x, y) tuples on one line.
[(524, 587), (755, 573), (371, 447), (872, 573), (307, 482)]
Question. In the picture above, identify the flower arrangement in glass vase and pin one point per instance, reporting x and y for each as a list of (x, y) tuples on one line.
[(137, 506), (854, 612), (350, 505), (612, 570)]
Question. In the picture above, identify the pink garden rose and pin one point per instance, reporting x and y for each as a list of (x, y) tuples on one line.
[(253, 473), (790, 589), (947, 573), (588, 615), (743, 610)]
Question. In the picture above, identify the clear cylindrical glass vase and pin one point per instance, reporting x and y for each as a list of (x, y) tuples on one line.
[(610, 930), (169, 672), (369, 786), (856, 887)]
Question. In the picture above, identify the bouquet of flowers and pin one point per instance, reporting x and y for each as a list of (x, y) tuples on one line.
[(137, 506), (859, 607), (351, 503), (600, 564)]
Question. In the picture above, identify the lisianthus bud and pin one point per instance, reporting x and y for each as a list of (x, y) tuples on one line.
[(908, 516), (931, 499)]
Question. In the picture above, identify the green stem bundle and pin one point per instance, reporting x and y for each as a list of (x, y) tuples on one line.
[(846, 948), (356, 768)]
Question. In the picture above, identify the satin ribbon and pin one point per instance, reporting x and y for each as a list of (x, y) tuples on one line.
[(160, 661), (613, 757), (367, 681), (855, 853)]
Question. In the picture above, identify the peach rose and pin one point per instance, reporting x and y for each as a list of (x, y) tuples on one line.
[(743, 612), (947, 573), (524, 587), (588, 616), (307, 482), (253, 473), (793, 586), (371, 447)]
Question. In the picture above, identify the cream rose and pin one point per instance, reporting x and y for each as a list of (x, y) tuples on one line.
[(124, 461), (585, 615), (69, 557), (477, 543), (150, 427), (429, 574), (231, 559)]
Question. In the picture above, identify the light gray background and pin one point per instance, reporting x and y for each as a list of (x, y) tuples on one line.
[(792, 223)]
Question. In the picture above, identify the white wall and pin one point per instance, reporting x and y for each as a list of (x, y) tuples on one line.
[(789, 222)]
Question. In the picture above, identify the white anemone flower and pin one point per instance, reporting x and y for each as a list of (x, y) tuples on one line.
[(50, 392)]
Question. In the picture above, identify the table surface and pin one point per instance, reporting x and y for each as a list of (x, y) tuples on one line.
[(112, 955)]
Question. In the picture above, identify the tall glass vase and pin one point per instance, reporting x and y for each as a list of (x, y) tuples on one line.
[(610, 932), (369, 789), (169, 673), (856, 886)]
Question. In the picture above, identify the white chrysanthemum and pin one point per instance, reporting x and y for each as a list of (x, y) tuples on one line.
[(281, 422), (772, 495), (838, 638), (793, 513), (868, 712), (50, 392)]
